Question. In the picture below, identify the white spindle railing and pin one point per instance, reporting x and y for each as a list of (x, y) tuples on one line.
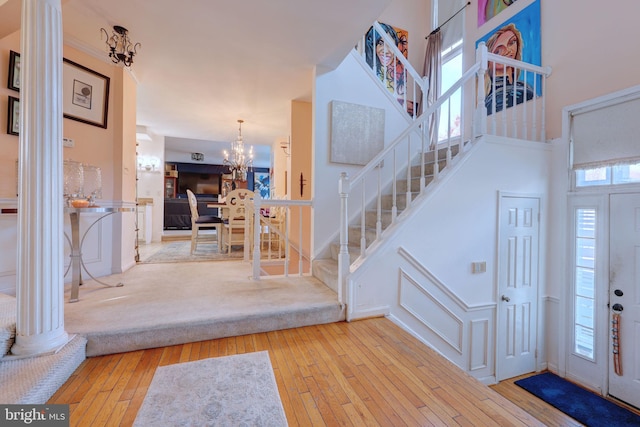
[(414, 87), (522, 118), (271, 217)]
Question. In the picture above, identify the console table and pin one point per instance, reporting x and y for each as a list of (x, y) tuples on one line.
[(77, 264)]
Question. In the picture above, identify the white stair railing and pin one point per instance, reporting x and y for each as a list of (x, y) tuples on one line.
[(272, 222), (390, 174), (407, 87)]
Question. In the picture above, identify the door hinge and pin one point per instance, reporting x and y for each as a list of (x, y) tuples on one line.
[(535, 353)]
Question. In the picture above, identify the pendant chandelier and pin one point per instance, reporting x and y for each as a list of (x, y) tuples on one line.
[(238, 160), (121, 48)]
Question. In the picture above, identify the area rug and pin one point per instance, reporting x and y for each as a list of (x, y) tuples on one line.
[(180, 251), (237, 390), (583, 405)]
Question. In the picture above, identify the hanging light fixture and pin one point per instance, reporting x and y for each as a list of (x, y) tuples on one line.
[(238, 161), (121, 49)]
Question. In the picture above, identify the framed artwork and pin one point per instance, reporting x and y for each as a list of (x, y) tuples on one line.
[(357, 132), (261, 184), (13, 116), (521, 34), (390, 72), (14, 71), (85, 94), (487, 9)]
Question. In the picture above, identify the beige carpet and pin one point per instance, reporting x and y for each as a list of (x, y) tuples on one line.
[(237, 390), (173, 303), (180, 251)]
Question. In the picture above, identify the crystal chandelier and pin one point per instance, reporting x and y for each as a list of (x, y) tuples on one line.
[(238, 161)]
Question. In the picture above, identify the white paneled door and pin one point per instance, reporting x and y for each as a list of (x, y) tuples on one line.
[(624, 297), (518, 243)]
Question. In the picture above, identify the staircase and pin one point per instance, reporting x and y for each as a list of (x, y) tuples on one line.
[(406, 164), (327, 269), (32, 380)]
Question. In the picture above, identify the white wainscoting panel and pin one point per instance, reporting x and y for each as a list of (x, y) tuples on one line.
[(428, 309), (479, 351), (433, 314), (8, 249)]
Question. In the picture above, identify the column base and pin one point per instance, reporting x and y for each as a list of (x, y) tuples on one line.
[(38, 345)]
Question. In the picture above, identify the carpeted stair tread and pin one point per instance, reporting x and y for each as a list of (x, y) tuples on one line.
[(326, 270), (34, 380), (168, 334)]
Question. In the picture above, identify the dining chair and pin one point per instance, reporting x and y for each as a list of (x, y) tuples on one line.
[(236, 215), (206, 222)]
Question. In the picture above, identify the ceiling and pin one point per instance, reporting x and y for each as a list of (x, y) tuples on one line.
[(204, 64)]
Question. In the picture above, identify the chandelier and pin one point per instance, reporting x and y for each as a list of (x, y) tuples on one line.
[(237, 160), (121, 49)]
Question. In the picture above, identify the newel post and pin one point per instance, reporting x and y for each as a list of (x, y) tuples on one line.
[(480, 127), (344, 187), (257, 203)]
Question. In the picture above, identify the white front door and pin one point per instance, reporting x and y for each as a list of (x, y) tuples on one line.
[(624, 296), (517, 286)]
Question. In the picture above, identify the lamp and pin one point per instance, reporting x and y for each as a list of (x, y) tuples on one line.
[(121, 49), (286, 147), (237, 160)]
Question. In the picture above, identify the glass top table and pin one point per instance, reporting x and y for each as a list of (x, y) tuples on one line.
[(77, 239)]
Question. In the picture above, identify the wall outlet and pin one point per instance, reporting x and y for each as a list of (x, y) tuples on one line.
[(68, 142)]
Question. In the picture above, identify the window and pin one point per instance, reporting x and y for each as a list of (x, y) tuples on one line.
[(584, 282), (449, 124), (608, 175)]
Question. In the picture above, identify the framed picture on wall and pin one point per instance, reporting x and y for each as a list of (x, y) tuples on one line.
[(85, 94), (13, 116), (261, 184), (14, 71)]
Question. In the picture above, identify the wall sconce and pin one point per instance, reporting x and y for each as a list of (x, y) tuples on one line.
[(286, 147), (121, 49)]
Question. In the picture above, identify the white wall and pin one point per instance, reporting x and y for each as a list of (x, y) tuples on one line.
[(151, 184), (454, 225)]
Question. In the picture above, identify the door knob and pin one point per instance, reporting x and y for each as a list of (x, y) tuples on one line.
[(617, 307), (507, 299), (618, 292)]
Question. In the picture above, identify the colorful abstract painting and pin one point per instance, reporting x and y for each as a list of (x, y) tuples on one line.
[(518, 38), (487, 9), (261, 184), (379, 57)]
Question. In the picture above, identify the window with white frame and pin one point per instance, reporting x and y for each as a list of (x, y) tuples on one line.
[(452, 42), (450, 117), (584, 282)]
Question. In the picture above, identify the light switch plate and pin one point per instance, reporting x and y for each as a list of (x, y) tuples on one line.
[(479, 267)]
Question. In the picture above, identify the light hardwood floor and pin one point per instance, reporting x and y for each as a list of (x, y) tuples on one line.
[(368, 372)]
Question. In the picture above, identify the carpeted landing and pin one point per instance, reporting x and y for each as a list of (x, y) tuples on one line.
[(174, 303)]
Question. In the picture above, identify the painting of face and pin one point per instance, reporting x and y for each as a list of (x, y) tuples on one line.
[(518, 38)]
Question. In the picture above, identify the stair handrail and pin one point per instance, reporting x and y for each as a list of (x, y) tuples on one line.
[(390, 45), (421, 125), (398, 54), (417, 123)]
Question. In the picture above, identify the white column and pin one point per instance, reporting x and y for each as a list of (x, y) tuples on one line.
[(40, 275)]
